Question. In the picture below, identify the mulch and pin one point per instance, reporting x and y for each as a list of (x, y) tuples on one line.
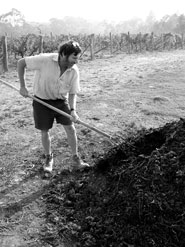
[(134, 196)]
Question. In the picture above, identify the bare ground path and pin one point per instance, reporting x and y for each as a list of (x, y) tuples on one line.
[(119, 94)]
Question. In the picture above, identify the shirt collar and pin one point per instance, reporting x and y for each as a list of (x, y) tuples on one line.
[(55, 57)]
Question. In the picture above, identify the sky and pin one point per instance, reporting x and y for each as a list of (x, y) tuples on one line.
[(93, 10)]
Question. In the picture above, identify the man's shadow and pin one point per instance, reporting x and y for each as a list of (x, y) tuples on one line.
[(10, 209)]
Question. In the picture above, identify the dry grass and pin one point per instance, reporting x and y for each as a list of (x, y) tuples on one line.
[(119, 95)]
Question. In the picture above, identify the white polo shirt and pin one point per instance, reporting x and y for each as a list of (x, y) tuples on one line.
[(48, 84)]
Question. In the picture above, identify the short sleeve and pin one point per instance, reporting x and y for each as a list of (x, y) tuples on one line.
[(34, 62), (74, 82)]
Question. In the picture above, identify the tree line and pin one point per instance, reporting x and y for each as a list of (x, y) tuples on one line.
[(14, 23), (18, 38)]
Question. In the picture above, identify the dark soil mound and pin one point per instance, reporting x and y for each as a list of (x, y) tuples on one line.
[(134, 196)]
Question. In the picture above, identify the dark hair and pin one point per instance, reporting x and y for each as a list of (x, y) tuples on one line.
[(69, 48)]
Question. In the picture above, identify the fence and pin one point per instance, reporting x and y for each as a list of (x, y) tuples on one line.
[(4, 55), (93, 46)]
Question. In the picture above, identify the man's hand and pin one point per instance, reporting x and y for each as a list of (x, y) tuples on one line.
[(75, 116), (24, 92)]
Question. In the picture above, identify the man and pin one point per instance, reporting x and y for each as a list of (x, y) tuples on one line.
[(56, 83)]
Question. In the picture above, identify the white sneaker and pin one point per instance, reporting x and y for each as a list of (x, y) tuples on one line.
[(79, 164), (48, 166)]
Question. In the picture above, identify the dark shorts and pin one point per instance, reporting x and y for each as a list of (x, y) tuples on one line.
[(44, 117)]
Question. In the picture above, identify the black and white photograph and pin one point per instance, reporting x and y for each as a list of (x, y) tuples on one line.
[(92, 123)]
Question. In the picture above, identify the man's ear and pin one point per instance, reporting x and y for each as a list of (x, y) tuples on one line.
[(62, 55)]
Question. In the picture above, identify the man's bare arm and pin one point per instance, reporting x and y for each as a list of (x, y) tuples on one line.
[(21, 65)]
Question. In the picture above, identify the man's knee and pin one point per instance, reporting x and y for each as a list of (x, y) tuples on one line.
[(70, 129), (44, 133)]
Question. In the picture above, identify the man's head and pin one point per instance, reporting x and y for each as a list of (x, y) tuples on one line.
[(68, 48), (69, 53)]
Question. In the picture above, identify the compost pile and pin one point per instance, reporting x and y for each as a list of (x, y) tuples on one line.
[(133, 197)]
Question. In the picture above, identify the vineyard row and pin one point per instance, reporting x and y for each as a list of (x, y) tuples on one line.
[(93, 46)]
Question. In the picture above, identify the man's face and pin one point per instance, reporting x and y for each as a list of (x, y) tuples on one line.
[(71, 60)]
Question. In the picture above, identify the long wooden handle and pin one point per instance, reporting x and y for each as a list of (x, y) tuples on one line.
[(95, 129), (38, 100), (60, 112), (51, 107)]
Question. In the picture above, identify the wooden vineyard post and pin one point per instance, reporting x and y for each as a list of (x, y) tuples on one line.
[(11, 44), (40, 43), (110, 43), (152, 41), (182, 36), (140, 44), (92, 46), (129, 43), (5, 53), (51, 36), (162, 42)]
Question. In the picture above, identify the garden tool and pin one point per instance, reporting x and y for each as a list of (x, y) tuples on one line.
[(63, 113)]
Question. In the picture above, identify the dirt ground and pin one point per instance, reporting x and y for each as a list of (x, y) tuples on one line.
[(118, 94)]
